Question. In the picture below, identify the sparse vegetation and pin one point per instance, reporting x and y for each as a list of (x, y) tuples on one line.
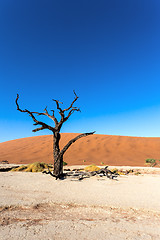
[(137, 173), (35, 167), (64, 163), (114, 170), (151, 162), (20, 168), (121, 171), (91, 168)]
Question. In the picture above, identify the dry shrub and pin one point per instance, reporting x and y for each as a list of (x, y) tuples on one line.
[(20, 168), (121, 173), (36, 167), (33, 167), (91, 168), (114, 170)]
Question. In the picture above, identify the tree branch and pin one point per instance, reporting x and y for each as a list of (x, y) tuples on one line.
[(76, 97), (58, 125), (71, 108), (73, 140), (37, 129), (48, 115), (57, 103), (44, 125), (70, 112)]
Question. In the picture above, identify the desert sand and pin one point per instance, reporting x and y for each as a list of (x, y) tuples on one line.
[(36, 206), (98, 149)]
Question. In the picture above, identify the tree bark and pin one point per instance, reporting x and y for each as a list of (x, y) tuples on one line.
[(57, 153), (58, 159)]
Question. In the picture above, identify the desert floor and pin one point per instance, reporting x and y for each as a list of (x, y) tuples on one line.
[(36, 206)]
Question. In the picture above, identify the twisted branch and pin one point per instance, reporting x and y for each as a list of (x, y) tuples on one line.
[(31, 114), (45, 113), (76, 97), (73, 140), (58, 124)]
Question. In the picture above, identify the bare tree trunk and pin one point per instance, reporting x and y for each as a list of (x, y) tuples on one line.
[(57, 153), (58, 159)]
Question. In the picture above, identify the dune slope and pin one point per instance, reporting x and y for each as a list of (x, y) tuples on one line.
[(98, 149)]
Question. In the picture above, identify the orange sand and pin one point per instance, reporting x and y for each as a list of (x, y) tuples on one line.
[(111, 150)]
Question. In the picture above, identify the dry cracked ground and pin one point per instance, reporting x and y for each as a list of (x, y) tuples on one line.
[(31, 208), (77, 222)]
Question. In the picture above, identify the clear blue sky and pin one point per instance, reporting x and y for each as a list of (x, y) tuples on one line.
[(108, 51)]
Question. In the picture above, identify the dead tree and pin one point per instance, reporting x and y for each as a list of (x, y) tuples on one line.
[(64, 116)]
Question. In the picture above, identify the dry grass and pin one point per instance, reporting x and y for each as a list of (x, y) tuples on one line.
[(91, 168), (33, 167)]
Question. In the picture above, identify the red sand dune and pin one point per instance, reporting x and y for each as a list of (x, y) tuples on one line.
[(111, 150)]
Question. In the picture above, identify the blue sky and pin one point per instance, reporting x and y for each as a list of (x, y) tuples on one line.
[(108, 51)]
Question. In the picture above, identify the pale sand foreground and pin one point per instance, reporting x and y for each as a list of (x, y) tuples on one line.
[(43, 208)]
